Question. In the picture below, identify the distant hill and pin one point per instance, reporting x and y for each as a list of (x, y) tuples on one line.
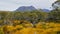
[(26, 8), (45, 10)]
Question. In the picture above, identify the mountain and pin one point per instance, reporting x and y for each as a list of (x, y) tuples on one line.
[(26, 8), (45, 10)]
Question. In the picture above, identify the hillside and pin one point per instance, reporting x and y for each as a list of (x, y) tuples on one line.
[(26, 8)]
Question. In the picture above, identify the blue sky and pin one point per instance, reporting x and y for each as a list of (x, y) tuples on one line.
[(10, 5)]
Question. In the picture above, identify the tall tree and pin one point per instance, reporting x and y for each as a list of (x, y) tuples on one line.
[(56, 5)]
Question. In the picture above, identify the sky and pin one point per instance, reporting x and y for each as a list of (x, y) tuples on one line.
[(11, 5)]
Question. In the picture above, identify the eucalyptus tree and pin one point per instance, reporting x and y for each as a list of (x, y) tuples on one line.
[(56, 5)]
